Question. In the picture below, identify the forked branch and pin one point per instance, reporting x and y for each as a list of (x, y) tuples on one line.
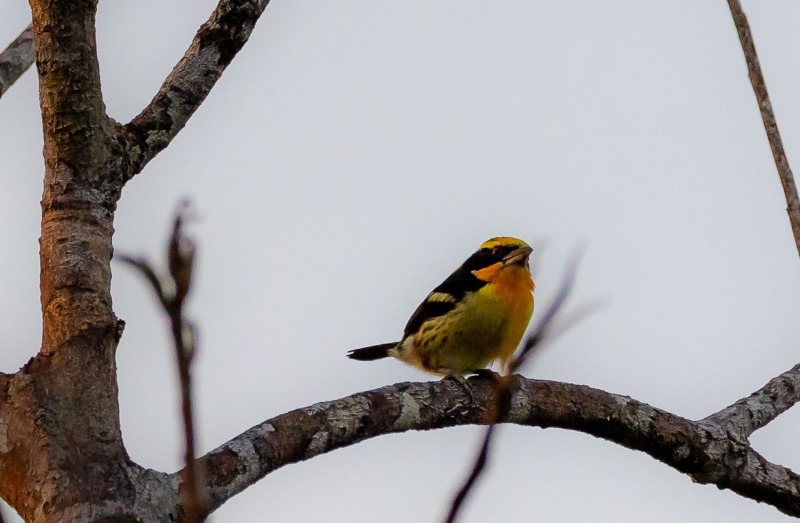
[(214, 46), (702, 450), (753, 412)]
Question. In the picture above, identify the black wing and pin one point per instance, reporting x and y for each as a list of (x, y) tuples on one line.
[(444, 298), (451, 291)]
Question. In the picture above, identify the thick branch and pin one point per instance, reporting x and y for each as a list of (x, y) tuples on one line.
[(753, 412), (702, 450), (213, 48), (16, 59), (768, 117)]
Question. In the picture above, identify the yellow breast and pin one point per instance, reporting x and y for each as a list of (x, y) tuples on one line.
[(486, 326)]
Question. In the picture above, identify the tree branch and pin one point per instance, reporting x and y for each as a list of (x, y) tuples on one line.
[(701, 449), (213, 48), (753, 412), (16, 59), (768, 117)]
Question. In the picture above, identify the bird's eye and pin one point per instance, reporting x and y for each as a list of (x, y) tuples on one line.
[(496, 251)]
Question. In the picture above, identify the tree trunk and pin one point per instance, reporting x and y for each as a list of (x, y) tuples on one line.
[(62, 446)]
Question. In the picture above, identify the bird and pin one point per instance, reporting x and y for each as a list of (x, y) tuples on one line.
[(475, 317)]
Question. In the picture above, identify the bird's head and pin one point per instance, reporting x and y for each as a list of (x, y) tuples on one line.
[(498, 255), (506, 250)]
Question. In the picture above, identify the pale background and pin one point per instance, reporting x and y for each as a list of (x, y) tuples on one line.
[(356, 152)]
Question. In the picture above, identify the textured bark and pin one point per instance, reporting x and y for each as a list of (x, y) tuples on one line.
[(703, 449), (16, 59), (62, 456), (186, 87), (753, 412), (61, 452), (768, 118)]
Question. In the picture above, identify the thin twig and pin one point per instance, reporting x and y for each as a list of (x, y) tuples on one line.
[(16, 59), (180, 260), (472, 479), (150, 275), (533, 343), (768, 117), (501, 406)]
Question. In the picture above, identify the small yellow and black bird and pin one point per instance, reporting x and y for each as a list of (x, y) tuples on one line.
[(474, 317)]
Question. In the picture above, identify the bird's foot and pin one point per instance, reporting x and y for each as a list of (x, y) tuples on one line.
[(461, 380), (488, 373)]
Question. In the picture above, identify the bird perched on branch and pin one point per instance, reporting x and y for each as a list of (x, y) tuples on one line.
[(473, 318)]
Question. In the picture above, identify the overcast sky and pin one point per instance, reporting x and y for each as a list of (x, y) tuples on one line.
[(355, 152)]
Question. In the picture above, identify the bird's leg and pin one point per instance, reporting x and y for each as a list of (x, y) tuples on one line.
[(461, 380)]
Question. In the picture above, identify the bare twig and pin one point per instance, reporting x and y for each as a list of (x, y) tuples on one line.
[(768, 117), (172, 292), (472, 479), (499, 411), (16, 59), (150, 275), (534, 342)]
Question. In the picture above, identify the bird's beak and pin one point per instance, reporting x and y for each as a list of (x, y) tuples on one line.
[(517, 256)]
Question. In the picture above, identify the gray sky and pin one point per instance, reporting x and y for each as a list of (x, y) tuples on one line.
[(356, 152)]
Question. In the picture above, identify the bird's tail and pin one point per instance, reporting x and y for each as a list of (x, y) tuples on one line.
[(375, 352)]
